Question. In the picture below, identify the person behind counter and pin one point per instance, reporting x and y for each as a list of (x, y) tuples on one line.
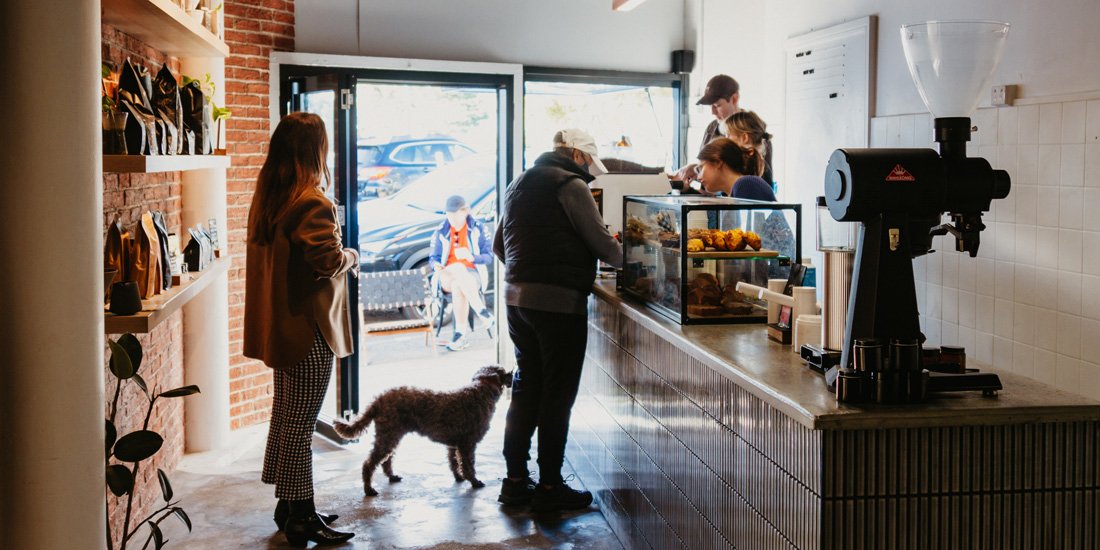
[(728, 168), (750, 131), (722, 94), (549, 238)]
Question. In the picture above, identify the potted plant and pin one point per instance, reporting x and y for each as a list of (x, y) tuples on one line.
[(124, 454)]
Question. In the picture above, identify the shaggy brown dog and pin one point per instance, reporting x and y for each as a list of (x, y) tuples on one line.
[(457, 419)]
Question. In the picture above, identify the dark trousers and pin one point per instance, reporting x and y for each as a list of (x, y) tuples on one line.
[(299, 391), (549, 356)]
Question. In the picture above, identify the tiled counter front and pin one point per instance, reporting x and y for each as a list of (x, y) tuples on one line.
[(681, 451)]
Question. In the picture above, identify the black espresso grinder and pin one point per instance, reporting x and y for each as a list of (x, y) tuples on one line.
[(899, 196)]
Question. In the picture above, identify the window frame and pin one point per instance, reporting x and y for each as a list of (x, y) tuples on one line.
[(678, 82)]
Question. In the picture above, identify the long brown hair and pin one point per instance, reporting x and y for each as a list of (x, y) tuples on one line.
[(744, 161), (296, 163), (750, 124)]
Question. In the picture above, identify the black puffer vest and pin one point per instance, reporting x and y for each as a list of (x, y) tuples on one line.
[(539, 242)]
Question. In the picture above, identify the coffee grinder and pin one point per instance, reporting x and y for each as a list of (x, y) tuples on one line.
[(899, 197)]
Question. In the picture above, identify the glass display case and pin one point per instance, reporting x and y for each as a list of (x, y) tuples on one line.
[(684, 255)]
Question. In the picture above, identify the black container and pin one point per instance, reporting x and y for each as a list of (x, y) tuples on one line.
[(125, 299), (905, 355), (954, 356), (850, 387), (868, 355)]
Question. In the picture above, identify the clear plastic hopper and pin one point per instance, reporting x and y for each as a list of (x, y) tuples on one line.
[(952, 62)]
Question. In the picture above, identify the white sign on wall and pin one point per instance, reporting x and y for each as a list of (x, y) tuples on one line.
[(830, 81)]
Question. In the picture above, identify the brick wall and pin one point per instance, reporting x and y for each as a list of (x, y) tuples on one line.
[(253, 30), (125, 197)]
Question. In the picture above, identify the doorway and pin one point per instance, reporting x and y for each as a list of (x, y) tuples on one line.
[(403, 141)]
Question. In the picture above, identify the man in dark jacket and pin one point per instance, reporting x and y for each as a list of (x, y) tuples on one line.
[(549, 238)]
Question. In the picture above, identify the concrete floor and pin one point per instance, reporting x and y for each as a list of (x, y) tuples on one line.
[(230, 508)]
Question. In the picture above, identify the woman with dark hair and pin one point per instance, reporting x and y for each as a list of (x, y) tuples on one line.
[(748, 130), (296, 314), (726, 167)]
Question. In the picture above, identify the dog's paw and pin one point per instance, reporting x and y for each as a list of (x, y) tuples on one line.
[(395, 479), (459, 479), (476, 483), (370, 492)]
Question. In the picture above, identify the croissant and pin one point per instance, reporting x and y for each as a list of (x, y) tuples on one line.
[(735, 239), (695, 245), (753, 240)]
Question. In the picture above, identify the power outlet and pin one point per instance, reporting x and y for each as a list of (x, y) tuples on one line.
[(1003, 95)]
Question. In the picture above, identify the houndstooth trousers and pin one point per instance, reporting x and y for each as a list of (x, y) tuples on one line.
[(299, 391)]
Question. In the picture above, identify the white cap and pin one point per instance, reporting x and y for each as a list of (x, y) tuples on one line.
[(582, 141)]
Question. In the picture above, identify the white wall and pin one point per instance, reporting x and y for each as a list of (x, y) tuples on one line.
[(564, 33)]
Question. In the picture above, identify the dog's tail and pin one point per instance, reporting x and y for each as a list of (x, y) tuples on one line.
[(351, 430)]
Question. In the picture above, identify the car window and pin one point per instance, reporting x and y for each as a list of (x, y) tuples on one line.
[(407, 154), (369, 155), (472, 178), (441, 153), (459, 152)]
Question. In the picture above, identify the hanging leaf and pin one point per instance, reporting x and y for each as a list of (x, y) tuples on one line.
[(121, 366), (120, 479), (110, 434), (137, 446), (183, 517), (141, 384), (165, 486), (130, 343), (180, 392), (158, 537)]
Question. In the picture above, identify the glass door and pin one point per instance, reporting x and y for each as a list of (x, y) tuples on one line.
[(402, 142), (328, 94)]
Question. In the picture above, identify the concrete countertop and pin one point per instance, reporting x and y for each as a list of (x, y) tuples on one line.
[(777, 375)]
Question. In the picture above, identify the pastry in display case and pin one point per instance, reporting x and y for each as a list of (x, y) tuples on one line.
[(684, 255)]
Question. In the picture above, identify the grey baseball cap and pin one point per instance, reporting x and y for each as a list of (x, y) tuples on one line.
[(455, 203)]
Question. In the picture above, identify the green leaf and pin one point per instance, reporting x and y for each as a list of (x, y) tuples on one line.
[(109, 437), (121, 366), (183, 517), (141, 384), (130, 343), (165, 486), (137, 446), (120, 479), (180, 392)]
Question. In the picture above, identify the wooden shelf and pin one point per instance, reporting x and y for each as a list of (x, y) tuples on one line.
[(163, 25), (162, 163), (158, 308)]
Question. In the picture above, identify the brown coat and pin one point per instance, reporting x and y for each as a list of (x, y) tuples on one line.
[(296, 283)]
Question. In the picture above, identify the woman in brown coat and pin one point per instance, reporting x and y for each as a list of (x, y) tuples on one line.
[(296, 313)]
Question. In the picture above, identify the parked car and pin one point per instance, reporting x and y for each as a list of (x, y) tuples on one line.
[(395, 231), (384, 168)]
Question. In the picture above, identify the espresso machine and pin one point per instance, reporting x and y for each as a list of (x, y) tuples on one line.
[(900, 198)]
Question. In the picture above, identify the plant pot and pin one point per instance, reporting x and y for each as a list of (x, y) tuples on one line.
[(114, 133), (125, 299)]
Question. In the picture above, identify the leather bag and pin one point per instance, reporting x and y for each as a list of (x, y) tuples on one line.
[(116, 252), (166, 103), (141, 125), (165, 255), (145, 258), (197, 117)]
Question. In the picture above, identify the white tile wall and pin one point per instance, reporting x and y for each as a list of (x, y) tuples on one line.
[(1030, 302)]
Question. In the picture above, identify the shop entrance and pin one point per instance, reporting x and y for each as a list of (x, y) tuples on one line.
[(403, 142)]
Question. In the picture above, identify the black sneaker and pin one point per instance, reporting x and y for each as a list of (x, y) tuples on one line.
[(559, 497), (517, 492)]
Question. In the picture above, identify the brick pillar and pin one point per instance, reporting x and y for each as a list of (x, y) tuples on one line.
[(253, 30)]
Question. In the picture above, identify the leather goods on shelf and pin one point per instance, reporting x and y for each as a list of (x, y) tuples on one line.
[(141, 127), (197, 117), (195, 253), (116, 252), (146, 268), (165, 256), (166, 104)]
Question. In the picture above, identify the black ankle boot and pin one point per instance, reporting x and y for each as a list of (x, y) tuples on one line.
[(282, 511), (304, 525)]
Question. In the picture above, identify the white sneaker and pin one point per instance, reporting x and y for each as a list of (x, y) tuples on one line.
[(489, 319), (459, 342)]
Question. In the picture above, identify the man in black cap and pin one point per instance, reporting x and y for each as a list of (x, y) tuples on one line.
[(722, 94)]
